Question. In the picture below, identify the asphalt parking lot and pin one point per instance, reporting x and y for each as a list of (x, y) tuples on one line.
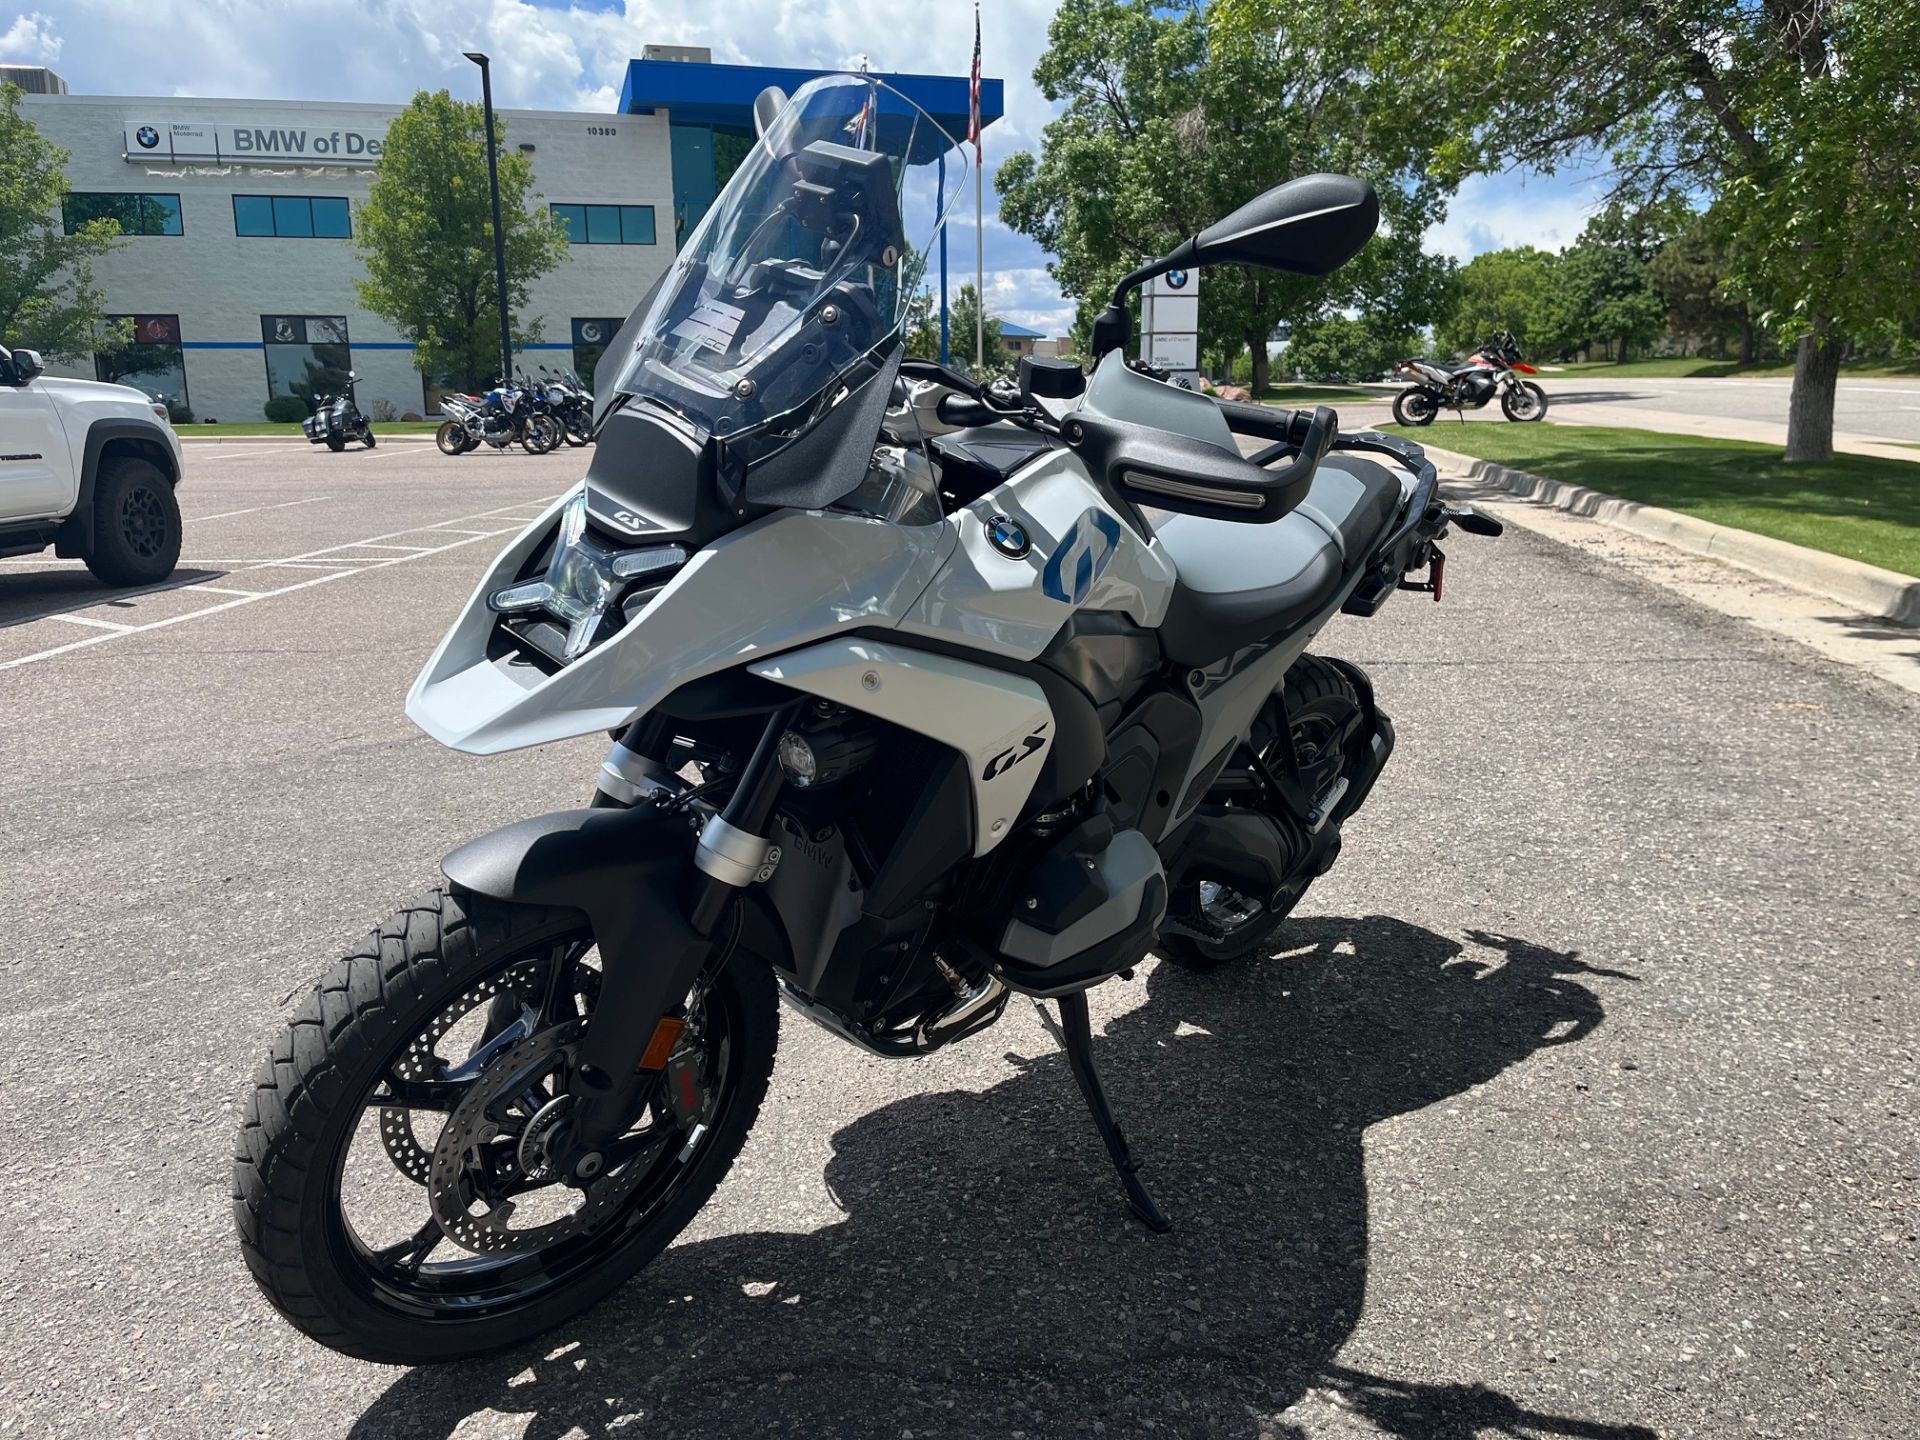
[(1579, 1100)]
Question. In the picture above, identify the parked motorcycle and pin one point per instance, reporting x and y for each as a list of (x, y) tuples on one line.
[(927, 695), (336, 419), (571, 403), (1493, 369), (505, 415)]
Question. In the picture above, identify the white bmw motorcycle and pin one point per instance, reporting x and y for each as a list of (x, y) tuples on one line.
[(924, 696)]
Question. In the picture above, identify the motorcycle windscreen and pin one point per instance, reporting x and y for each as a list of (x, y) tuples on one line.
[(792, 291)]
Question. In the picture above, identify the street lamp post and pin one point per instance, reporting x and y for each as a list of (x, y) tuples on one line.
[(499, 233)]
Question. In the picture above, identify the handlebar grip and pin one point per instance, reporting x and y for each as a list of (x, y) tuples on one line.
[(959, 410)]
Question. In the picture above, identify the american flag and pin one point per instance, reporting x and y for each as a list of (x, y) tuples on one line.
[(973, 112)]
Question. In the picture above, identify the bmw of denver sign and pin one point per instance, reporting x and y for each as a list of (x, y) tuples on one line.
[(272, 143)]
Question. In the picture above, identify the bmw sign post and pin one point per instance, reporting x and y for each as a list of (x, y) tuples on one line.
[(1170, 325)]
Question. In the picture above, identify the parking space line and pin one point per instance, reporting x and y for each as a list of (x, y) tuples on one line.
[(255, 509), (225, 590), (87, 620), (369, 545), (334, 570)]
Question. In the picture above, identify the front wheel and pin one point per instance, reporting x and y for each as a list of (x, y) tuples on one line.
[(1524, 401), (540, 433), (136, 523), (1415, 407), (392, 1187), (367, 435)]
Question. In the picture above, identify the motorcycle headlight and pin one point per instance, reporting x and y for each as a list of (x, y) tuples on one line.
[(583, 580)]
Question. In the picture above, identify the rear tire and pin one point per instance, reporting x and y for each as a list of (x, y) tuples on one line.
[(136, 523), (1415, 407), (1319, 699), (361, 1021), (336, 443), (452, 438)]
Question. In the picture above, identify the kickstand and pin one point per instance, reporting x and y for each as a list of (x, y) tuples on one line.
[(1076, 1036)]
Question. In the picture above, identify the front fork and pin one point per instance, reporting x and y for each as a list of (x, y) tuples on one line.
[(635, 1018)]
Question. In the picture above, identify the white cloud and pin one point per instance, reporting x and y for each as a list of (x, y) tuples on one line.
[(1494, 212), (30, 40)]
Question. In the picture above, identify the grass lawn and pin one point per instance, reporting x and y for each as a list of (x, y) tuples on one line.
[(1298, 395), (293, 432), (1853, 505), (1674, 367)]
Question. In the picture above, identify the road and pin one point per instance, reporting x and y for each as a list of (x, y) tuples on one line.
[(1578, 1100), (1873, 415)]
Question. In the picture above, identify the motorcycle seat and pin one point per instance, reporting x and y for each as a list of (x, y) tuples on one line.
[(1240, 584)]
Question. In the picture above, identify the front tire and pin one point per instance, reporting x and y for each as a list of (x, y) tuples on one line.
[(136, 524), (376, 1023), (1415, 407), (1524, 402)]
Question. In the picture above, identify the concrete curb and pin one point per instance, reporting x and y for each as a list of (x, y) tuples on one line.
[(1869, 589)]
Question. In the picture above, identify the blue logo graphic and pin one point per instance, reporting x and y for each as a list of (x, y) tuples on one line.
[(1176, 279), (147, 136), (1084, 553), (1009, 537)]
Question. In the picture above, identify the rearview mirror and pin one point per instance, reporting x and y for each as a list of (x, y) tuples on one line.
[(27, 365), (766, 105), (1311, 226)]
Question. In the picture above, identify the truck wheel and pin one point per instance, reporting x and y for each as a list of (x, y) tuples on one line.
[(136, 523)]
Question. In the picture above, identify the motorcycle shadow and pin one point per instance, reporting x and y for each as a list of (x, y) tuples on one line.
[(986, 1278)]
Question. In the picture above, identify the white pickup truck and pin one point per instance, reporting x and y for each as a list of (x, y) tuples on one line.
[(89, 469)]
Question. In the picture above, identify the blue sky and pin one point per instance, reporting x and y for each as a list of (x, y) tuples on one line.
[(571, 54)]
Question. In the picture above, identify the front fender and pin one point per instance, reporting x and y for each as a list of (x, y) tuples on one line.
[(630, 872)]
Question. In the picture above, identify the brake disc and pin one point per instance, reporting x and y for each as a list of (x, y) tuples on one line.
[(409, 1156), (495, 1141)]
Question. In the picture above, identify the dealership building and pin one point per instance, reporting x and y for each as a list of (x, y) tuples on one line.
[(238, 271)]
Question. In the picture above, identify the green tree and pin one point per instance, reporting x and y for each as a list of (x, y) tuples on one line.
[(48, 299), (1602, 293), (425, 235), (1502, 290), (1347, 347), (961, 318), (1690, 272), (1174, 115), (1801, 118)]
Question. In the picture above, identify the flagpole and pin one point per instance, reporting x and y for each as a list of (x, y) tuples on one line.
[(979, 223), (979, 270)]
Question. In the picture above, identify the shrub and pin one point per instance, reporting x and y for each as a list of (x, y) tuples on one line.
[(286, 409), (384, 412), (178, 414)]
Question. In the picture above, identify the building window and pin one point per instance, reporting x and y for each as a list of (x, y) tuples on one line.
[(590, 340), (136, 214), (292, 216), (152, 361), (306, 355), (606, 224)]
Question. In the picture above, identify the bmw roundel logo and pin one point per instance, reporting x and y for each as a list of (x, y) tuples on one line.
[(1176, 279), (1009, 537), (147, 136)]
